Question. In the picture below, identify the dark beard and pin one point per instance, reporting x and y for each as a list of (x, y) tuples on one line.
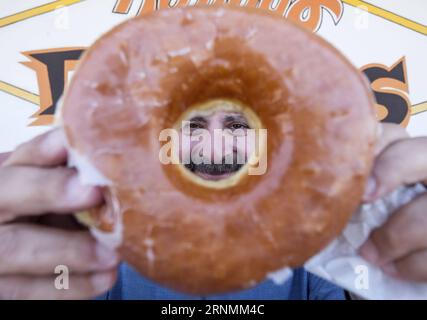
[(214, 169)]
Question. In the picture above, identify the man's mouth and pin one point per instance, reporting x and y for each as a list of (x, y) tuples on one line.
[(213, 171)]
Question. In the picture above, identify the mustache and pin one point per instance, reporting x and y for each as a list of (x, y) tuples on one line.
[(215, 168)]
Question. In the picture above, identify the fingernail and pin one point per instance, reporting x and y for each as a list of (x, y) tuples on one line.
[(101, 281), (78, 193), (369, 252), (370, 189), (74, 188), (390, 269), (54, 141), (106, 258)]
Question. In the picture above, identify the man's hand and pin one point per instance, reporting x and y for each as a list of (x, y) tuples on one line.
[(399, 247), (37, 191)]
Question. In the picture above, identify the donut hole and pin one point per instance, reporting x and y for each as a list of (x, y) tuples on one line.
[(233, 78), (219, 141)]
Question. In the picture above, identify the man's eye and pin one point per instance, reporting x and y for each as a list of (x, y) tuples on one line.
[(195, 125), (235, 126)]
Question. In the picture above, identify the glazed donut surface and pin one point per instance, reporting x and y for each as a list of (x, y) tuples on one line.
[(142, 76)]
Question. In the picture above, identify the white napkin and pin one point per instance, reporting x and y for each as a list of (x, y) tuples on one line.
[(339, 262)]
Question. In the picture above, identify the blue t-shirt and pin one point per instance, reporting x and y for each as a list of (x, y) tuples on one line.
[(302, 286)]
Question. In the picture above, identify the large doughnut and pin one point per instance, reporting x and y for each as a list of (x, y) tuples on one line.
[(142, 76)]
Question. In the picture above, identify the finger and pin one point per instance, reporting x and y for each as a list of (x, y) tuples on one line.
[(55, 287), (412, 267), (32, 249), (401, 163), (33, 190), (47, 149), (4, 156), (403, 233), (390, 132)]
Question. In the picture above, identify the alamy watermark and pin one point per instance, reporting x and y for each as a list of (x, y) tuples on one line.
[(62, 281), (199, 146)]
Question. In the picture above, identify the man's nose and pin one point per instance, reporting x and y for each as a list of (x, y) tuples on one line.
[(221, 143), (214, 144)]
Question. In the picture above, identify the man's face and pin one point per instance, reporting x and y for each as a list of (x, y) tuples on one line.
[(220, 144)]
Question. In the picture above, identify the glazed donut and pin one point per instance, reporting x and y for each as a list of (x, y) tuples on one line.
[(205, 237)]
